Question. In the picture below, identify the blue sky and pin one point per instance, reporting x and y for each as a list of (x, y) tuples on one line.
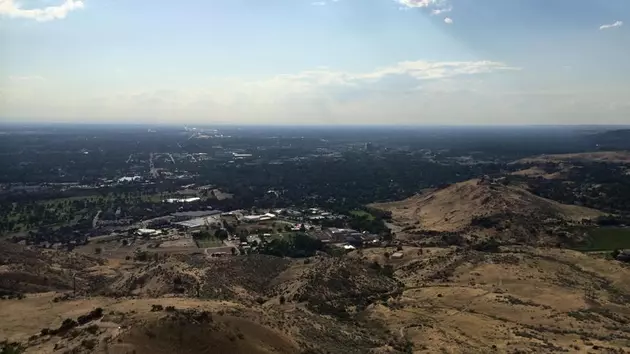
[(316, 62)]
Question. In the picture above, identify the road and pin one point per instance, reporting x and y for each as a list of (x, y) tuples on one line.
[(152, 169), (95, 220)]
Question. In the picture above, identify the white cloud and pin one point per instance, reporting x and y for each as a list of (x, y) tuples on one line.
[(441, 10), (437, 6), (10, 8), (421, 3), (448, 20), (403, 75), (612, 25)]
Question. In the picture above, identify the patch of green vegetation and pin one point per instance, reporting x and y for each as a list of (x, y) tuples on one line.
[(209, 243), (606, 239), (205, 239), (298, 245), (362, 214)]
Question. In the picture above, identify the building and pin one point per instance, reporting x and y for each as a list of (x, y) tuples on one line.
[(182, 200), (198, 224), (148, 232), (255, 218), (187, 215), (339, 235)]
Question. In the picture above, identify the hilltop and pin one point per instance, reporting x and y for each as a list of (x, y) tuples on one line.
[(485, 207)]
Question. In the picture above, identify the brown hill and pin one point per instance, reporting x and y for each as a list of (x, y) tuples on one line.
[(621, 157), (519, 299), (30, 270), (484, 206), (336, 286)]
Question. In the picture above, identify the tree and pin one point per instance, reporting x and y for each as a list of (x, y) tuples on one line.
[(615, 253), (221, 234)]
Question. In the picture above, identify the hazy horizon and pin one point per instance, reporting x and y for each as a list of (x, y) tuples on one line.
[(333, 62)]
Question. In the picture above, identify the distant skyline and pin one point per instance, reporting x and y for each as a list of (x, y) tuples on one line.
[(408, 62)]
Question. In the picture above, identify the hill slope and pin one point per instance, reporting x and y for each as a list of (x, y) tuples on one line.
[(483, 205), (26, 270), (519, 299), (620, 157)]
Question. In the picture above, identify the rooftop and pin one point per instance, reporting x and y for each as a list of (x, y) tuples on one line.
[(196, 214), (197, 222)]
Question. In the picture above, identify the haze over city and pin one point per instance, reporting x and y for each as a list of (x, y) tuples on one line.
[(315, 62)]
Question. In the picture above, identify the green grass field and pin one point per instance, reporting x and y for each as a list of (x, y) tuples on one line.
[(209, 243), (362, 213), (607, 239)]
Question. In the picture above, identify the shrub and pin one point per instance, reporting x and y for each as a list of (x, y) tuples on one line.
[(11, 348), (155, 308), (92, 329), (93, 315), (67, 325), (490, 245), (89, 343), (169, 308), (375, 265), (282, 299)]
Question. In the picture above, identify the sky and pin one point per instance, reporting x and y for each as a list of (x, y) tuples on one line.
[(411, 62)]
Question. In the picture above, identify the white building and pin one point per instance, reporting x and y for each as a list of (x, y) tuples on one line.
[(148, 232), (183, 200)]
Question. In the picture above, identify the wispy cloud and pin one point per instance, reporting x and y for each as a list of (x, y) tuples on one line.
[(611, 25), (422, 3), (10, 8), (408, 74), (437, 6), (442, 10), (323, 3)]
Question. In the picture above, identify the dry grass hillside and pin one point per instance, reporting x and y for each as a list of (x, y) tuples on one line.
[(518, 300), (432, 300), (25, 270), (335, 286), (487, 208), (622, 157)]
